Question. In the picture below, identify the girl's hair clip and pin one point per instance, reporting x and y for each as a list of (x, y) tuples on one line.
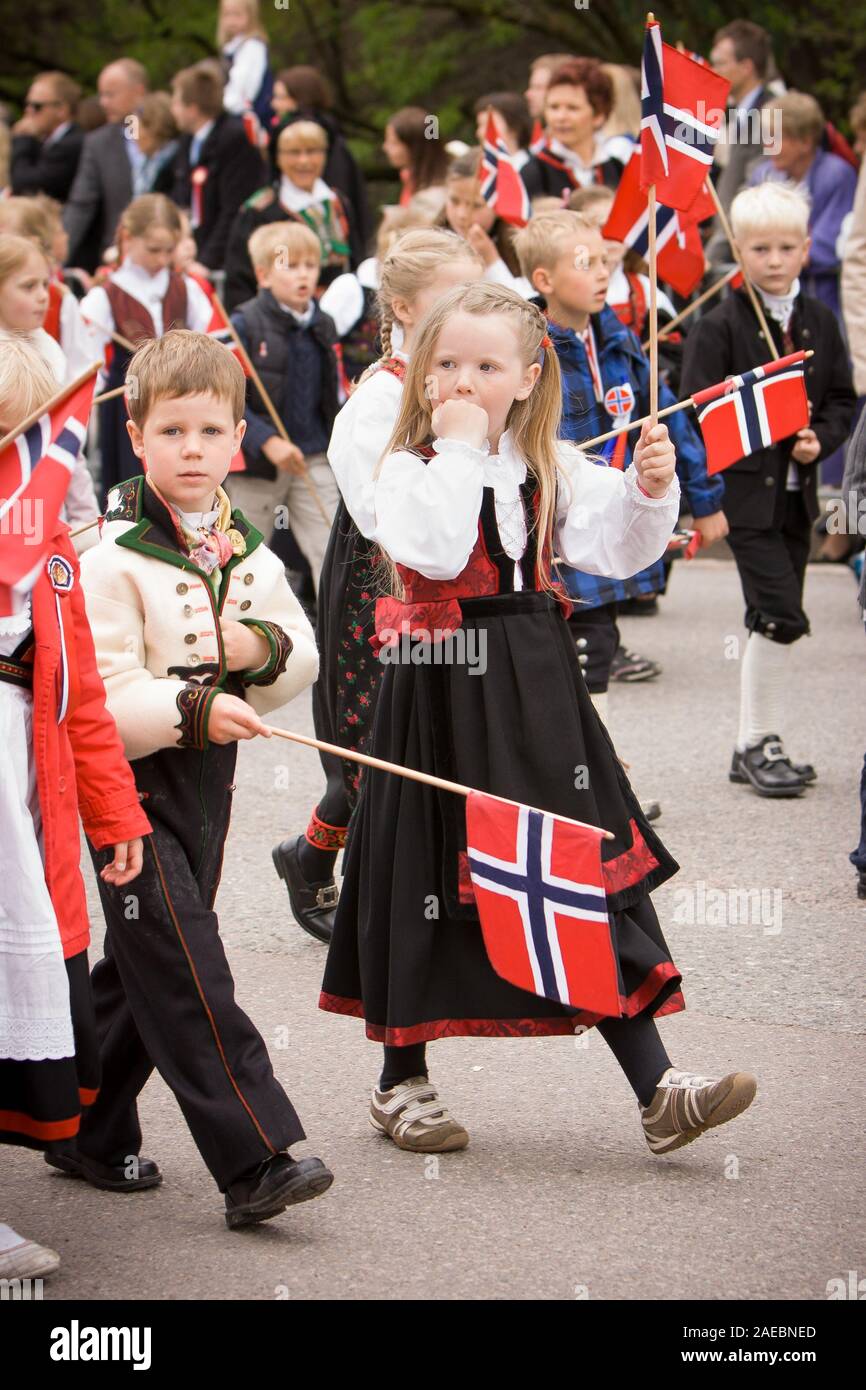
[(545, 342)]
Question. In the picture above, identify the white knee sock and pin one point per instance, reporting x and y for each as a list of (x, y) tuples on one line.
[(762, 690)]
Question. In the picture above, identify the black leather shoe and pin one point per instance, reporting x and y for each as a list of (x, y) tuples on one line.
[(279, 1182), (314, 905), (110, 1178), (805, 771), (768, 770)]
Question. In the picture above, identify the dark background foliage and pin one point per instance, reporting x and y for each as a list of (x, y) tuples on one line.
[(439, 54)]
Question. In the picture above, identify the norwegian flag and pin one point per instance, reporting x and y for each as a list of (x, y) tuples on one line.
[(35, 472), (680, 254), (541, 901), (745, 413), (501, 185), (682, 106)]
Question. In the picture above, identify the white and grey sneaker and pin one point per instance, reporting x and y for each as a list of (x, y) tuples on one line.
[(685, 1106), (24, 1259), (414, 1117)]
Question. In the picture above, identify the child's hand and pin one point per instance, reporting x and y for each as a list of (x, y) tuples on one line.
[(483, 244), (655, 459), (285, 456), (126, 865), (230, 719), (807, 448), (246, 649), (712, 528), (461, 420)]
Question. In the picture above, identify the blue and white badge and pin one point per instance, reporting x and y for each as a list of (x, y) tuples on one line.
[(619, 402), (60, 574)]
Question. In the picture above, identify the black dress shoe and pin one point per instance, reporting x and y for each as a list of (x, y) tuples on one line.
[(768, 770), (279, 1182), (805, 771), (111, 1178), (314, 905)]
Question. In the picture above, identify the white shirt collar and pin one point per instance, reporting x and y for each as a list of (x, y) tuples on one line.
[(141, 282), (507, 466), (780, 306), (194, 521), (297, 199), (750, 99), (200, 136), (305, 317), (57, 134)]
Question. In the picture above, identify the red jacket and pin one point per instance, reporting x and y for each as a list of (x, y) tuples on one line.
[(80, 765)]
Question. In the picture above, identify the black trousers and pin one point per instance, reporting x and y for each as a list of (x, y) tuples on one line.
[(772, 568), (597, 636), (164, 994)]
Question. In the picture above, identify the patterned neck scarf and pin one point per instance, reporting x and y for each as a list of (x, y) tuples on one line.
[(211, 544)]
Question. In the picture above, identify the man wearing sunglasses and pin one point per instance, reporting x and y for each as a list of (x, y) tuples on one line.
[(46, 142)]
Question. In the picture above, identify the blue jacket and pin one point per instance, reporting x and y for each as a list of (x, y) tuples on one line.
[(621, 359)]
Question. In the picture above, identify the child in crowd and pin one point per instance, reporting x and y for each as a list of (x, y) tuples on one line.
[(25, 277), (197, 635), (467, 214), (61, 758), (290, 342), (243, 47), (605, 379), (473, 499), (421, 267), (142, 299), (39, 220), (771, 496)]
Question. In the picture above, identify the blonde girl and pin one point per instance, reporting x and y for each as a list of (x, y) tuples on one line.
[(142, 299), (473, 499), (39, 219), (420, 267), (243, 46)]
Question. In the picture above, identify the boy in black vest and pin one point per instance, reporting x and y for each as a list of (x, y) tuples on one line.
[(771, 496), (291, 345)]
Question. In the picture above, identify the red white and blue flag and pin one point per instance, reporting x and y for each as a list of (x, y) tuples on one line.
[(745, 413), (501, 185), (36, 469), (679, 250), (682, 109), (539, 890)]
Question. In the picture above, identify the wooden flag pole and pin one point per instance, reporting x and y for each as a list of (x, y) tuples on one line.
[(750, 289), (109, 395), (115, 337), (412, 773), (695, 304), (636, 424), (49, 405), (653, 310), (270, 407)]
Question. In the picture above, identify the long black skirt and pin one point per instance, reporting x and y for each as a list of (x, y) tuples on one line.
[(407, 953), (41, 1102), (344, 696)]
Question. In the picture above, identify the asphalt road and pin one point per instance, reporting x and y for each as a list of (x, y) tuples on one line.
[(557, 1196)]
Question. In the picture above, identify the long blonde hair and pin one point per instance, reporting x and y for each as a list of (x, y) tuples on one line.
[(410, 266), (533, 423), (15, 252)]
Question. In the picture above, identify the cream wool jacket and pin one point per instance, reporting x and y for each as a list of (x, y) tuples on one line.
[(155, 621)]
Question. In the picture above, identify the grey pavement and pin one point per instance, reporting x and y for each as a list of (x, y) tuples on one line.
[(557, 1196)]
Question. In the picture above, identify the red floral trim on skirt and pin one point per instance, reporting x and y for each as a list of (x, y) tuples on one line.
[(323, 836), (632, 865)]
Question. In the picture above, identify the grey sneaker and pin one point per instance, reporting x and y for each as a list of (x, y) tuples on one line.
[(24, 1259), (684, 1106), (414, 1117)]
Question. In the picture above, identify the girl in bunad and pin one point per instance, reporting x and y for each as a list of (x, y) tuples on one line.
[(39, 219), (467, 214), (25, 278), (243, 48), (469, 506), (62, 757), (421, 267), (142, 299)]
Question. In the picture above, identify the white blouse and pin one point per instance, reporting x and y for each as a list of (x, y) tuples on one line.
[(149, 290), (426, 512), (359, 439), (250, 61)]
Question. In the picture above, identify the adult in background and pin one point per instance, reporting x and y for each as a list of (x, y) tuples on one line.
[(302, 94), (512, 120), (828, 180), (541, 70), (300, 194), (243, 47), (159, 142), (420, 158), (742, 54), (110, 159), (853, 280), (575, 154), (47, 141), (216, 166)]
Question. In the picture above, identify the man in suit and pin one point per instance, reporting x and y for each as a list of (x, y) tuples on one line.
[(109, 159), (741, 53), (46, 142), (217, 168)]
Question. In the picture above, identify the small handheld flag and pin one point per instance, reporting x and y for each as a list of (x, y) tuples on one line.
[(682, 110), (750, 412), (680, 255), (501, 185), (540, 895)]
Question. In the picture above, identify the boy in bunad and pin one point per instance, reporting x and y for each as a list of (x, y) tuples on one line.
[(197, 635)]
